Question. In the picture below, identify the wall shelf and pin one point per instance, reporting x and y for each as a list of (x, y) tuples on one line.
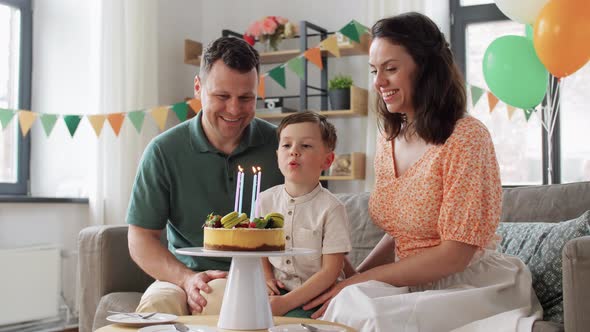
[(357, 168)]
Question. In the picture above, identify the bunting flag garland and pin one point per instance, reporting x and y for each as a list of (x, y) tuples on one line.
[(314, 55), (137, 118), (528, 113), (296, 65), (181, 110), (261, 92), (116, 121), (160, 114), (492, 101), (5, 117), (26, 119), (330, 44), (278, 74), (350, 30), (72, 122), (48, 121), (97, 122), (510, 109), (195, 105), (476, 93)]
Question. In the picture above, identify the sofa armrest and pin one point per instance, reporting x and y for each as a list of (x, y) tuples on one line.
[(105, 266), (576, 278)]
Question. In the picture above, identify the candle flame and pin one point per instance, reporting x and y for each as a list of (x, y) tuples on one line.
[(254, 169), (240, 169), (259, 169)]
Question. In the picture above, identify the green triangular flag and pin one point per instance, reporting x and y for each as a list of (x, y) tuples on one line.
[(72, 122), (181, 110), (136, 118), (48, 121), (528, 113), (278, 74), (351, 32), (476, 93), (5, 117), (296, 66), (360, 29)]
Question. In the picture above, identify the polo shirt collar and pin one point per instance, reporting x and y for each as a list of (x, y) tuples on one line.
[(253, 136), (305, 198)]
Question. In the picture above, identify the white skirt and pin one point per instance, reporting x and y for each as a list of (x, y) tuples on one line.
[(494, 293)]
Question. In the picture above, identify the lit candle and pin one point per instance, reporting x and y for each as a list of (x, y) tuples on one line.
[(238, 185), (257, 214), (241, 175), (253, 203)]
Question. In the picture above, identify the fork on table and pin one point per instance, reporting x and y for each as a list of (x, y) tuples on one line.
[(134, 314)]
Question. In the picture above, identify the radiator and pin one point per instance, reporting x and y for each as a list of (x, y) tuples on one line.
[(29, 284)]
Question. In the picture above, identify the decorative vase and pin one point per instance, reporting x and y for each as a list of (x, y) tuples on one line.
[(339, 99)]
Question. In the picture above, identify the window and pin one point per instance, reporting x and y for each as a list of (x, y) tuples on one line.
[(520, 146), (15, 92)]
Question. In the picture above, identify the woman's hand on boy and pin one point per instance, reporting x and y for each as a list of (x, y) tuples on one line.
[(273, 286), (325, 298)]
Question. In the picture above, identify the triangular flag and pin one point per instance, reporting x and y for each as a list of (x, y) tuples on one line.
[(72, 122), (528, 113), (330, 44), (296, 65), (5, 117), (360, 29), (160, 114), (97, 122), (510, 109), (137, 118), (48, 121), (195, 105), (26, 119), (278, 74), (315, 56), (261, 90), (116, 121), (476, 93), (181, 110), (492, 101), (351, 32)]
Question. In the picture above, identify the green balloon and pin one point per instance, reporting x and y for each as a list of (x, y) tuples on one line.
[(528, 31), (514, 73)]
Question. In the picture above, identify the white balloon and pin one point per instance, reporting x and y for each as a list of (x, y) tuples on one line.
[(523, 11)]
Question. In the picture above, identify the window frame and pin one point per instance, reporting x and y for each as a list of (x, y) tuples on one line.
[(21, 187), (460, 17)]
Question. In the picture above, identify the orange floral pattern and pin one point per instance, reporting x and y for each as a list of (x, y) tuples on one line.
[(453, 192)]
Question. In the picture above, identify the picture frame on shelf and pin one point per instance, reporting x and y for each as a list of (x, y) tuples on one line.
[(342, 165)]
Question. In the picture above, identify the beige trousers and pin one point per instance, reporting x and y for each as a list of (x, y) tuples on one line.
[(166, 297)]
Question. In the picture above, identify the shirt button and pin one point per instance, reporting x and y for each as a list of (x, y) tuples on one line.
[(288, 261), (288, 238), (290, 212)]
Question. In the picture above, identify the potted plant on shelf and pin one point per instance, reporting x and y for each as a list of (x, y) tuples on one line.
[(339, 92)]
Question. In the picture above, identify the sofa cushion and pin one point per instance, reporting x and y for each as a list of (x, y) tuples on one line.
[(540, 245)]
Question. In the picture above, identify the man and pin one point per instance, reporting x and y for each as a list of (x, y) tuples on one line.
[(190, 171)]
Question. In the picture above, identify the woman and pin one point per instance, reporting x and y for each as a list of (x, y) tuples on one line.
[(438, 194)]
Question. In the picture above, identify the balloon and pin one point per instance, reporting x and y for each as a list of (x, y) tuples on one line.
[(562, 36), (528, 31), (523, 11), (514, 73)]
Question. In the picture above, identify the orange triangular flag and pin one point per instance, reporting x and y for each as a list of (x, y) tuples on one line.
[(261, 92), (492, 101), (26, 119), (330, 44), (510, 110), (315, 56), (116, 121), (97, 121), (195, 105), (160, 114)]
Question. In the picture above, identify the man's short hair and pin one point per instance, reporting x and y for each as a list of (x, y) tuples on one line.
[(327, 130), (234, 52)]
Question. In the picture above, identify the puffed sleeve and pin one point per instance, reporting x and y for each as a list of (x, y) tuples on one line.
[(472, 190)]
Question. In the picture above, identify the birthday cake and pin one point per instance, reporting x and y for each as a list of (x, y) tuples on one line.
[(235, 232)]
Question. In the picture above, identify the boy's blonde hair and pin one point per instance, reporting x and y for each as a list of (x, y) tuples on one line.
[(327, 130)]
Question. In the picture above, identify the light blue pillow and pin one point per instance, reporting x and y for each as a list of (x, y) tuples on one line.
[(539, 246)]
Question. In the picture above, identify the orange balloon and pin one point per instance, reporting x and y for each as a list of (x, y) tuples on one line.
[(561, 36)]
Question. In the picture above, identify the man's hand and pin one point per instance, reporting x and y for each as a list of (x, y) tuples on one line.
[(278, 305), (273, 285), (196, 283)]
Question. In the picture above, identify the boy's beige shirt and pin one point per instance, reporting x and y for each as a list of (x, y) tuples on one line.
[(317, 220)]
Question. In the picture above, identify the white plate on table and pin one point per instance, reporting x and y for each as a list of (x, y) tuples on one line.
[(299, 328), (170, 328), (126, 319)]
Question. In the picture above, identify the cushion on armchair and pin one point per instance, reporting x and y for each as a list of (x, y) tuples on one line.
[(540, 246)]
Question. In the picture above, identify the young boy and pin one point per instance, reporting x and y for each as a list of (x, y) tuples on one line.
[(314, 218)]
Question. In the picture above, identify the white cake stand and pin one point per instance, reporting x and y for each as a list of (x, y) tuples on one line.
[(245, 303)]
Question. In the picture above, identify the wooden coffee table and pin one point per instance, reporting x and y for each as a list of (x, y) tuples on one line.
[(212, 321)]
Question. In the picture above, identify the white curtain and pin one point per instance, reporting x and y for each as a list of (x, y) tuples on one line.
[(438, 11), (128, 65)]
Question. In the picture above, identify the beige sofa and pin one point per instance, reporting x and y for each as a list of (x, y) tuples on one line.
[(109, 279)]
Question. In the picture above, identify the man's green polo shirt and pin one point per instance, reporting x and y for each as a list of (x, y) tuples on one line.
[(182, 178)]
